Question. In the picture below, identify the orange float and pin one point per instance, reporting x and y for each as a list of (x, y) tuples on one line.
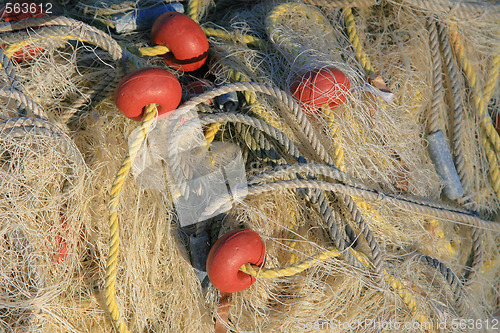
[(228, 254), (327, 85), (184, 38), (145, 86)]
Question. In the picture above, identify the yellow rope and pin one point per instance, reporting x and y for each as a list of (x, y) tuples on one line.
[(13, 48), (194, 9), (154, 50), (490, 137), (493, 76), (353, 36), (331, 252), (289, 270), (114, 227), (231, 36), (334, 129), (212, 131)]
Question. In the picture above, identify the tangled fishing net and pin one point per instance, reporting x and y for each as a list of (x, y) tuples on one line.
[(360, 138)]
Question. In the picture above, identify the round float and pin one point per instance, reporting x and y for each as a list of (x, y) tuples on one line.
[(145, 86), (228, 254), (184, 38), (327, 85)]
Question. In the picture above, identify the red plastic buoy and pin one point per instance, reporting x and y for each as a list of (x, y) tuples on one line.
[(184, 37), (17, 10), (145, 86), (196, 88), (327, 85), (228, 254)]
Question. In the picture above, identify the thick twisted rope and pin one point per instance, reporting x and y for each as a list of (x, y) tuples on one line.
[(458, 111), (457, 9), (433, 123), (450, 277), (488, 130), (309, 169), (194, 9), (332, 252), (417, 206), (24, 101), (352, 32), (247, 39), (80, 31), (9, 69), (341, 3), (458, 142), (114, 227)]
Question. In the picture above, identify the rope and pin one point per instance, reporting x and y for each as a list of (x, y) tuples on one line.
[(494, 73), (352, 32), (489, 132), (9, 69), (316, 197), (24, 101), (334, 129), (247, 39), (458, 142), (194, 9), (290, 270), (433, 123), (153, 51), (457, 9), (458, 111), (114, 237), (451, 279), (81, 32), (332, 252), (436, 210), (100, 91), (341, 3)]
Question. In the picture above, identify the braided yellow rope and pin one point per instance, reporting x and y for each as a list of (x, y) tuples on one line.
[(231, 36), (289, 270), (13, 48), (154, 50), (490, 137), (212, 131), (353, 36), (332, 252), (493, 76), (334, 129), (114, 227), (194, 9)]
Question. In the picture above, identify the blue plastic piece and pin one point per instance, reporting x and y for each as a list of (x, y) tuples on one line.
[(443, 162), (199, 247), (144, 18), (228, 102)]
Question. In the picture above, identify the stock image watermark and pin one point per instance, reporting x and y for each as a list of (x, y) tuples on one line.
[(472, 325)]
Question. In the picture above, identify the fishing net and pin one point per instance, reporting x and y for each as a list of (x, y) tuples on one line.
[(332, 111)]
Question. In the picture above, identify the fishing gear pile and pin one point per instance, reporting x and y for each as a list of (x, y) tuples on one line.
[(249, 166)]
